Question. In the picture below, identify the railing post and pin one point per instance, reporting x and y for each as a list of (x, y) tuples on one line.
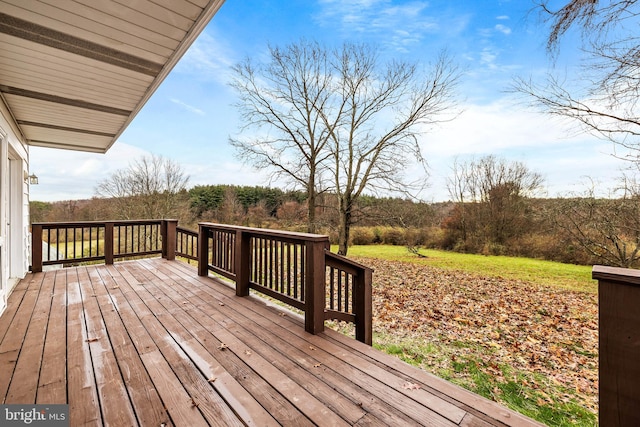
[(242, 262), (36, 248), (362, 302), (618, 346), (315, 281), (108, 243), (203, 250), (168, 232)]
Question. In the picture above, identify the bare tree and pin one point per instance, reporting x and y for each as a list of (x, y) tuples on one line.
[(283, 99), (378, 113), (342, 114), (491, 196), (151, 187), (607, 228), (603, 96)]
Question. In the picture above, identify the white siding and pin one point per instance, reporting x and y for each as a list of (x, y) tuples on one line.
[(14, 207)]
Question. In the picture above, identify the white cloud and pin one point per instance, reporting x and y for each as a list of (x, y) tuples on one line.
[(207, 58), (503, 29), (543, 144), (407, 23), (488, 57), (71, 175), (228, 172), (188, 107), (502, 18), (64, 174)]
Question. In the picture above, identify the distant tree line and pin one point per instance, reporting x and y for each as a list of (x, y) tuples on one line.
[(495, 209), (584, 229)]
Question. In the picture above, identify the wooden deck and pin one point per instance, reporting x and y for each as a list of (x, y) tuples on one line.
[(150, 343)]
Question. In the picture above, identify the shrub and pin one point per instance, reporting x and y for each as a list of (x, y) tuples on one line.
[(362, 236), (393, 236)]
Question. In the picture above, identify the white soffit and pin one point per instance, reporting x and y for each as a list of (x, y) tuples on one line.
[(74, 73)]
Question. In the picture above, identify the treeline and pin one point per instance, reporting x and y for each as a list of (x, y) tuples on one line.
[(581, 230)]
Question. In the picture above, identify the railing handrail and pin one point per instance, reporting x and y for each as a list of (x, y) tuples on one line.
[(61, 224), (348, 264), (187, 231), (164, 243), (268, 232)]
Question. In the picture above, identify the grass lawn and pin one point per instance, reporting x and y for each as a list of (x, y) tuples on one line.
[(518, 331), (556, 274)]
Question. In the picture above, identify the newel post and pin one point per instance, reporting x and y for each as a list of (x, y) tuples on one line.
[(242, 262), (168, 229), (36, 248), (362, 306), (108, 243), (315, 282), (203, 250), (618, 345)]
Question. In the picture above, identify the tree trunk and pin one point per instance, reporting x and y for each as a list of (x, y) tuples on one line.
[(311, 208), (344, 225)]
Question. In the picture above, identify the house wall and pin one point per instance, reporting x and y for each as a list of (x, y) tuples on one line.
[(14, 206)]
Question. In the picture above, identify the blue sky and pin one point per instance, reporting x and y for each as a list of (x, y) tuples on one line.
[(191, 116)]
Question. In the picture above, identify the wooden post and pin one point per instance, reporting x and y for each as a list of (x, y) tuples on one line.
[(168, 230), (36, 248), (362, 302), (203, 250), (108, 243), (619, 346), (315, 282), (242, 262)]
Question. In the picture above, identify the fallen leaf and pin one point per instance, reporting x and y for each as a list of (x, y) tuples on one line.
[(223, 346), (531, 328), (317, 365), (533, 340), (92, 340), (213, 379), (411, 386)]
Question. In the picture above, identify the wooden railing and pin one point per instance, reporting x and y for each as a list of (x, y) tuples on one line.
[(619, 346), (70, 243), (349, 294), (187, 243), (295, 268)]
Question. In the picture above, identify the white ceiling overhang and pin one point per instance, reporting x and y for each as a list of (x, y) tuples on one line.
[(74, 73)]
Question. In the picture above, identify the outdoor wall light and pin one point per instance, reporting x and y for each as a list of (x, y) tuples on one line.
[(33, 179)]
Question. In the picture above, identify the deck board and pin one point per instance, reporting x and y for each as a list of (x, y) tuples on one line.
[(24, 383), (148, 342), (144, 397), (82, 394), (52, 384)]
